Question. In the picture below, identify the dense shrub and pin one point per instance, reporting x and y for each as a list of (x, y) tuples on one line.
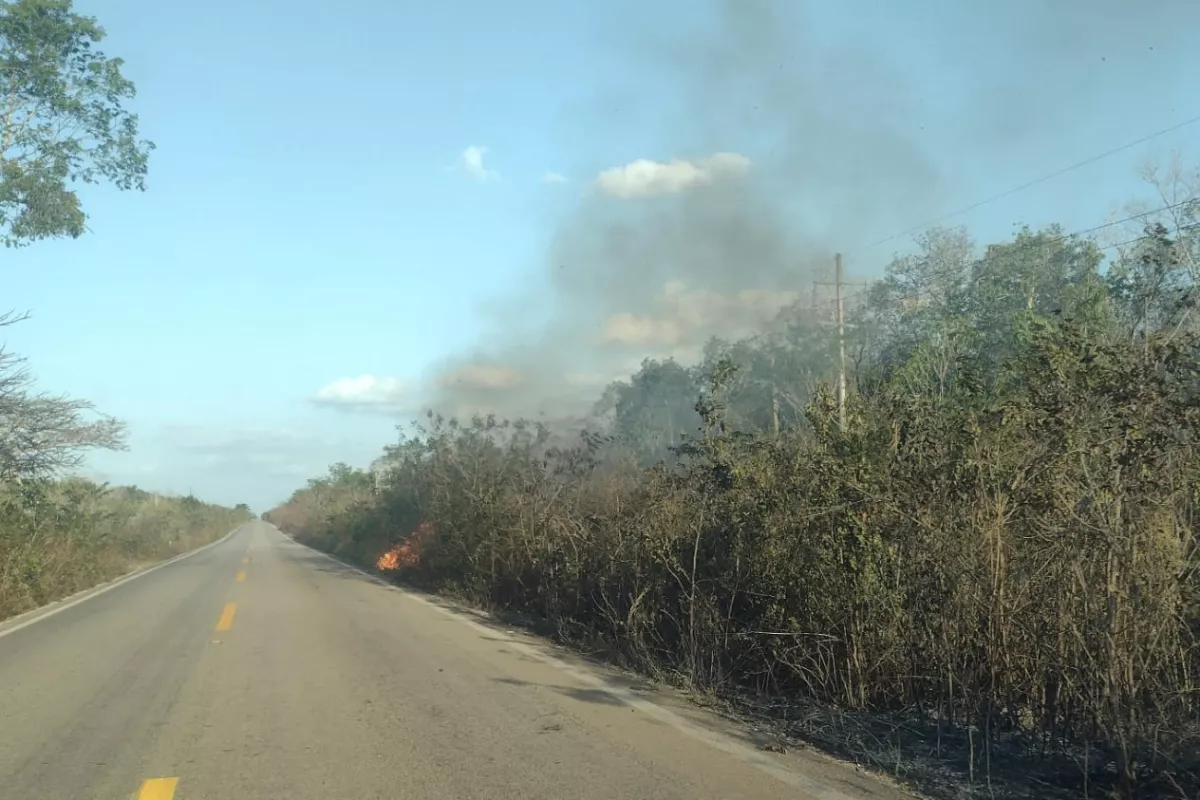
[(1001, 538)]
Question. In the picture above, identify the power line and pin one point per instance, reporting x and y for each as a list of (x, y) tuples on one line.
[(825, 304), (1086, 231), (1177, 231), (1009, 249), (1043, 179), (1142, 215), (1018, 248)]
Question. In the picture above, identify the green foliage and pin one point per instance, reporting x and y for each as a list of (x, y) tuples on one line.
[(1001, 541), (63, 120), (654, 411)]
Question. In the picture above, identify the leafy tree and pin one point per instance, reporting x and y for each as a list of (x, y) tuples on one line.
[(1043, 273), (777, 373), (656, 409), (1153, 282), (919, 298), (62, 120), (342, 474)]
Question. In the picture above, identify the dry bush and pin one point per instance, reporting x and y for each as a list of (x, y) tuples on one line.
[(1000, 545)]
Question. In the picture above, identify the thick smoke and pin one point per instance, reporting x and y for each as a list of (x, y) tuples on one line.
[(780, 149)]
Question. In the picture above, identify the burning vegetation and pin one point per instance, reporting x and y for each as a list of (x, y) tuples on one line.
[(408, 552)]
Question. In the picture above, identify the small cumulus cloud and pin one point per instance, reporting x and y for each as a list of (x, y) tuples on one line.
[(364, 393), (645, 178), (554, 177), (471, 162)]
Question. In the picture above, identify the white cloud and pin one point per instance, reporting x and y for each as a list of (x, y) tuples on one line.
[(471, 162), (645, 178), (364, 393), (554, 177)]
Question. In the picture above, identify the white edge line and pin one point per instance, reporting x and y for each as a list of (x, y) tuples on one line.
[(88, 594), (726, 744)]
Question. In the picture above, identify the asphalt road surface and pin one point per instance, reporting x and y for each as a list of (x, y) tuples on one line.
[(258, 668)]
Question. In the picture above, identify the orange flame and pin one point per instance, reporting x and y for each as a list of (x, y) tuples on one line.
[(408, 552), (389, 560)]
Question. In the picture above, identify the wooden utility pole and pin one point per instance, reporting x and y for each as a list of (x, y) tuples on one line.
[(841, 325), (839, 284)]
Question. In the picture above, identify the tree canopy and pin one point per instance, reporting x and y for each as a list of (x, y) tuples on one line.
[(63, 120)]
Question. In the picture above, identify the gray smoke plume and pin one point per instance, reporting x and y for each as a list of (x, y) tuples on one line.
[(779, 150)]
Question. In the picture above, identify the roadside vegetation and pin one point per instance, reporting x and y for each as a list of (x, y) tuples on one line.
[(983, 580), (65, 124), (60, 537)]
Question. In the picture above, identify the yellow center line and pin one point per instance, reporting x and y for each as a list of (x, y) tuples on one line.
[(241, 576), (226, 620), (157, 789)]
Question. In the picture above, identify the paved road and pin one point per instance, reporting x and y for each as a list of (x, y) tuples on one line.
[(257, 668)]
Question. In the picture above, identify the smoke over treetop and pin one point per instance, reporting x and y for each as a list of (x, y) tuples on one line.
[(711, 235), (777, 149)]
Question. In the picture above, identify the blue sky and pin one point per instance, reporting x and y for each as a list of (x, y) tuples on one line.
[(310, 217)]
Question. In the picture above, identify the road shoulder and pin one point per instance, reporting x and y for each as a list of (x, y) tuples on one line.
[(808, 770)]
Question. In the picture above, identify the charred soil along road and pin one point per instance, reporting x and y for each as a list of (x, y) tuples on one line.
[(257, 668)]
